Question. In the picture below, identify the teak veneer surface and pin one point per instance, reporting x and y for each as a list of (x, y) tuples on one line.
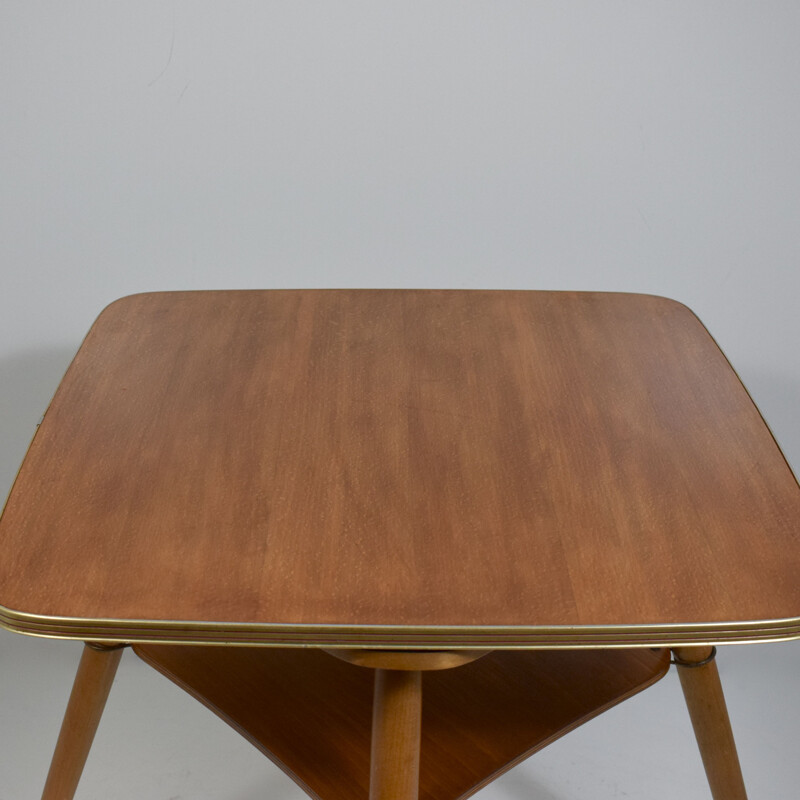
[(402, 468), (312, 713)]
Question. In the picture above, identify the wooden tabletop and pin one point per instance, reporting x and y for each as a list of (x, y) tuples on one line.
[(390, 468)]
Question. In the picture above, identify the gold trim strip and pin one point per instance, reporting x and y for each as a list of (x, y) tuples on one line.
[(230, 625), (398, 636)]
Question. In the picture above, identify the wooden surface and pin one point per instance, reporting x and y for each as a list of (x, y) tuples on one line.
[(712, 727), (412, 660), (87, 700), (311, 713), (402, 469), (396, 737)]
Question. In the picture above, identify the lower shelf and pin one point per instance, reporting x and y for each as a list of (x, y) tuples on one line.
[(311, 713)]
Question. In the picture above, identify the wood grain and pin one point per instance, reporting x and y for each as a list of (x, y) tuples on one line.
[(712, 727), (396, 462), (311, 713), (396, 735), (87, 700)]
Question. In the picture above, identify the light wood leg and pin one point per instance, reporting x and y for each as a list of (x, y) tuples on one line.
[(396, 731), (712, 728), (86, 702)]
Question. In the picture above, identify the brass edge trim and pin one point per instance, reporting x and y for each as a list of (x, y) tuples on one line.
[(440, 635), (417, 645), (398, 636), (217, 625), (364, 636), (376, 641)]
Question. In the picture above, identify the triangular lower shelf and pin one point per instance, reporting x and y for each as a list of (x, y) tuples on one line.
[(311, 713)]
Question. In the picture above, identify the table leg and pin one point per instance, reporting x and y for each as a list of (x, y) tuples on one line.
[(90, 690), (702, 689), (396, 735)]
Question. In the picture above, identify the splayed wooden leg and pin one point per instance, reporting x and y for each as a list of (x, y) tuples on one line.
[(702, 689), (90, 690)]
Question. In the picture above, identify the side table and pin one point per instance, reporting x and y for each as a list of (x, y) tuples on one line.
[(402, 539)]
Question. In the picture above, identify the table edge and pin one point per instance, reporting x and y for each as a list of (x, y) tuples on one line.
[(400, 637)]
